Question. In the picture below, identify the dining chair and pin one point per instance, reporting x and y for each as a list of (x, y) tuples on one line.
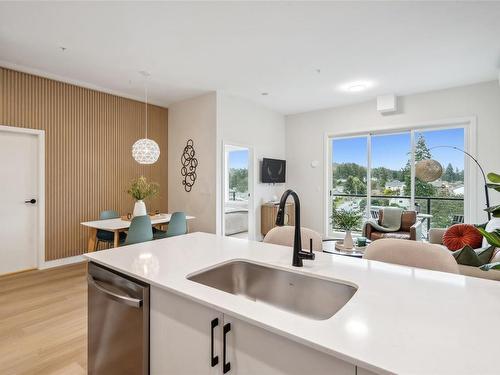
[(140, 230), (176, 227), (285, 236), (106, 236), (413, 254)]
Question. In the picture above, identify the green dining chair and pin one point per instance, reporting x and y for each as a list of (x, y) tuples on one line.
[(106, 236), (140, 230), (176, 227)]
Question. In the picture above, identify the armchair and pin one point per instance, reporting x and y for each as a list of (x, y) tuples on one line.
[(411, 228)]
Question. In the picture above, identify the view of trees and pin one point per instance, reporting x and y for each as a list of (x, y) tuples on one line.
[(422, 189), (350, 178), (452, 175), (238, 180), (354, 185)]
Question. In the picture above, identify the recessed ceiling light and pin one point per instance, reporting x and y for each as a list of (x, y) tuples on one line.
[(356, 86)]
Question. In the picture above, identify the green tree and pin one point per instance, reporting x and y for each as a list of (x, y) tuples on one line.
[(344, 170), (382, 175), (238, 179), (422, 189), (443, 211), (449, 174), (354, 185)]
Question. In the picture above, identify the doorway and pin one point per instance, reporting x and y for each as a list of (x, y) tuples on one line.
[(237, 207), (21, 212)]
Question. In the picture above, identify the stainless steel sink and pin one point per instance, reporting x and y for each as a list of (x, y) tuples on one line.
[(304, 295)]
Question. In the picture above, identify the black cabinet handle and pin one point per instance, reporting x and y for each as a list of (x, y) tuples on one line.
[(32, 201), (214, 359), (226, 365)]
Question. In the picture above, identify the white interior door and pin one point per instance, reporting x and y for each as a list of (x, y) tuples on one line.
[(18, 216)]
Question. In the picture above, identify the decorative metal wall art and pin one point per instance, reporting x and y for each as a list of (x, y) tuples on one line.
[(189, 164)]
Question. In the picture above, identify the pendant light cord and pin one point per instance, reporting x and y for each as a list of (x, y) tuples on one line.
[(146, 95)]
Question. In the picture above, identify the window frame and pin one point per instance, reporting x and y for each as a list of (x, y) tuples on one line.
[(468, 124)]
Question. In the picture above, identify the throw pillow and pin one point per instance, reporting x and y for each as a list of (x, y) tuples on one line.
[(459, 235), (485, 254), (490, 227), (490, 266), (467, 256), (496, 256)]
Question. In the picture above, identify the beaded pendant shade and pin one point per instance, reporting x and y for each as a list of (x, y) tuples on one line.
[(146, 151)]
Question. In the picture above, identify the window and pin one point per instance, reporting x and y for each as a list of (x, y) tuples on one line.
[(389, 171), (349, 173), (386, 160)]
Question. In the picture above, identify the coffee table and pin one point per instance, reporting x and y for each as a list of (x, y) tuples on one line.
[(329, 247)]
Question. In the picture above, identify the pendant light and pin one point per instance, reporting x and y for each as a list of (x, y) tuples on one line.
[(145, 151)]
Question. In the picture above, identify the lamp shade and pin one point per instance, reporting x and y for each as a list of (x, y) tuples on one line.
[(145, 151), (428, 170)]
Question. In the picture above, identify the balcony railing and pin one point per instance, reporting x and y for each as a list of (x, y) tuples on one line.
[(443, 215)]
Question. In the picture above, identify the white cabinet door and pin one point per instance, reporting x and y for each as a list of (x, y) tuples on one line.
[(180, 336), (252, 350)]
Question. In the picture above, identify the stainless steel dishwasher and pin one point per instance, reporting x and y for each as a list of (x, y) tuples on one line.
[(118, 323)]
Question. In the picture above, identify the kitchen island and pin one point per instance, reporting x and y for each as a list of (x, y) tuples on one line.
[(399, 320)]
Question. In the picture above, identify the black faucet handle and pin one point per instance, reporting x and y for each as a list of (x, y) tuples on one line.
[(306, 255)]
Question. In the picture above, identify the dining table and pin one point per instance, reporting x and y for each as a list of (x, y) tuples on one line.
[(120, 225)]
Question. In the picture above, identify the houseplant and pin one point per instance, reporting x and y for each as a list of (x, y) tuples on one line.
[(346, 220), (492, 237), (140, 189)]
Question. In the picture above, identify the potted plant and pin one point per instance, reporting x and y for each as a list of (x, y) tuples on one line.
[(140, 189), (346, 220), (493, 237)]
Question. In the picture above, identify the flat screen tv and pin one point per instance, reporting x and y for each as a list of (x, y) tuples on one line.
[(273, 171)]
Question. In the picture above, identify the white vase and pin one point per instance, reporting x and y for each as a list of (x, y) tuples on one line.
[(348, 243), (140, 209)]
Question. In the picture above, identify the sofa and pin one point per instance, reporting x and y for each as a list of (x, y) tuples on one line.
[(436, 237), (411, 228)]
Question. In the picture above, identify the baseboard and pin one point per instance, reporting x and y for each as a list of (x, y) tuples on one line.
[(61, 262)]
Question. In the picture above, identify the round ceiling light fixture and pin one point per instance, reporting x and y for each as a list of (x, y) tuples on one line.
[(145, 151), (356, 86)]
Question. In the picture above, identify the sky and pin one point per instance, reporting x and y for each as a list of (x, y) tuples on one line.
[(391, 150), (238, 159)]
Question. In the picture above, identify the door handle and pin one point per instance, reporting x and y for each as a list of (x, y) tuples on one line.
[(226, 365), (32, 201), (127, 300), (214, 359)]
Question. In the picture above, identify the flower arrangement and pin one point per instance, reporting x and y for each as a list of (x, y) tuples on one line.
[(141, 189)]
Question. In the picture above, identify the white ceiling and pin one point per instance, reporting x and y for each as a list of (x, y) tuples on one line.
[(249, 48)]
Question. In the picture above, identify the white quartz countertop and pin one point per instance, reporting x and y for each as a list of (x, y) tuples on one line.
[(401, 320)]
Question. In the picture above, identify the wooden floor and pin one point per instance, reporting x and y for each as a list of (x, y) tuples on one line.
[(43, 322)]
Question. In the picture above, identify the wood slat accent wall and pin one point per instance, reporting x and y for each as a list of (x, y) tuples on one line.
[(88, 160)]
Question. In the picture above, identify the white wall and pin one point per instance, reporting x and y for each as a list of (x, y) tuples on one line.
[(194, 119), (245, 123), (211, 120), (305, 137)]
